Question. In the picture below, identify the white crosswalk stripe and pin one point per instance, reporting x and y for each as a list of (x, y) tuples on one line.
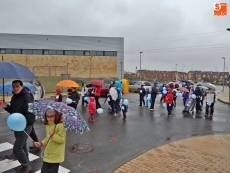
[(10, 164)]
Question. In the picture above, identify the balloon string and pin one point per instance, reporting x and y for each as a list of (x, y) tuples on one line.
[(29, 136)]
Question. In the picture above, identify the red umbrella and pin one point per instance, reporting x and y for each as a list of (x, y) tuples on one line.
[(97, 82)]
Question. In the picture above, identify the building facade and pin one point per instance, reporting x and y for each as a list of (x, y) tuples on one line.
[(53, 55)]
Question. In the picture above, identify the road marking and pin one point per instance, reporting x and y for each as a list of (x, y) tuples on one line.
[(10, 164), (61, 170)]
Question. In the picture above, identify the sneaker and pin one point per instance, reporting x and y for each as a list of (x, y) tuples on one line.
[(11, 157), (151, 109), (115, 114), (170, 115), (206, 116), (25, 169)]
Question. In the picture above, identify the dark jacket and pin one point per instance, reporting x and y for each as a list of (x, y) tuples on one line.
[(75, 96), (19, 104), (142, 92), (154, 92)]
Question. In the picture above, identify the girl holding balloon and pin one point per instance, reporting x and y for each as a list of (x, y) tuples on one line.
[(91, 109), (54, 142)]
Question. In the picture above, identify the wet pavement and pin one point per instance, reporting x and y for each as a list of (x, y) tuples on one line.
[(116, 142)]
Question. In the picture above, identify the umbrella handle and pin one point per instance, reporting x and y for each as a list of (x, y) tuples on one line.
[(29, 136)]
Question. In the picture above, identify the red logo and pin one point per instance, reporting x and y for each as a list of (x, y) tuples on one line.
[(220, 9)]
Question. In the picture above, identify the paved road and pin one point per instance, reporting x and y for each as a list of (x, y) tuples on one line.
[(142, 131)]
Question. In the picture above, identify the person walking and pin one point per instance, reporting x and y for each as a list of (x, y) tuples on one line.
[(154, 93), (19, 104), (114, 95), (142, 95), (169, 101), (91, 109), (210, 99), (58, 97), (75, 96), (54, 142), (84, 93), (97, 91), (40, 93)]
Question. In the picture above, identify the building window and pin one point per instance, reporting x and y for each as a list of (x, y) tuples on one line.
[(99, 53), (2, 50), (9, 51), (37, 51), (93, 53), (69, 52), (27, 51), (60, 52), (46, 52), (108, 53), (52, 52), (87, 53), (78, 52), (115, 53), (17, 51)]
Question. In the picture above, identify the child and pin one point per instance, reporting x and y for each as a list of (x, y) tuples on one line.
[(185, 97), (146, 100), (174, 97), (210, 99), (169, 100), (91, 109), (124, 109), (58, 97), (54, 142)]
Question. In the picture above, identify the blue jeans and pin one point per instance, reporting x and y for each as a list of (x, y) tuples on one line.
[(20, 148), (146, 102), (117, 105)]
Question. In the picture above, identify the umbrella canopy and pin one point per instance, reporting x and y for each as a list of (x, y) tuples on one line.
[(74, 122), (97, 82), (11, 70), (80, 80), (67, 83), (208, 85), (8, 87)]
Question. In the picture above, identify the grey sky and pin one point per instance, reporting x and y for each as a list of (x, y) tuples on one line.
[(183, 32)]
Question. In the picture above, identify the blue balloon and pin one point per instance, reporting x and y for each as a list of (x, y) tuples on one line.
[(86, 98), (108, 99), (69, 101), (164, 92), (99, 111), (164, 105), (193, 96), (126, 102), (16, 122), (178, 94), (164, 88)]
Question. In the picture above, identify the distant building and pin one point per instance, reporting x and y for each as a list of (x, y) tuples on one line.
[(53, 55)]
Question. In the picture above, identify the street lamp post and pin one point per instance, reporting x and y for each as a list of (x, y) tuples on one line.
[(176, 71), (224, 73), (121, 70), (140, 65), (183, 71)]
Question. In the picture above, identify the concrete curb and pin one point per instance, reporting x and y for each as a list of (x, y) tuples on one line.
[(223, 101)]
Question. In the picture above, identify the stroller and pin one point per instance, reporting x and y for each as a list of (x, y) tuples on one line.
[(189, 106)]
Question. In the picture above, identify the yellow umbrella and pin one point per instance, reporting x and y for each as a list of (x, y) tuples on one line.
[(67, 83)]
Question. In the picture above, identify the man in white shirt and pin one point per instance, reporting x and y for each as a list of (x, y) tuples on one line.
[(210, 99)]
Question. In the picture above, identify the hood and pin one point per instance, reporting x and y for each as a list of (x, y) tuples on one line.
[(58, 90), (92, 99), (38, 82), (24, 91)]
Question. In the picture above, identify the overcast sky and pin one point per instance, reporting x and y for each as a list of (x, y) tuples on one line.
[(168, 32)]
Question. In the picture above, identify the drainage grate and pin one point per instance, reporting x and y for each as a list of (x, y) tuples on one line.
[(80, 148)]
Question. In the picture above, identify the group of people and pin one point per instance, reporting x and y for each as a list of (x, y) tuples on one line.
[(169, 96)]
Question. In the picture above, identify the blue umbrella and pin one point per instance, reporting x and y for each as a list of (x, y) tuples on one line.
[(11, 70), (8, 87)]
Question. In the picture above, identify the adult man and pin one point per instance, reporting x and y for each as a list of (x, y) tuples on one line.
[(19, 104), (154, 93)]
